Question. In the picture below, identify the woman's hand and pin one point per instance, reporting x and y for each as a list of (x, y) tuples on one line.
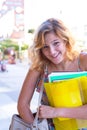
[(46, 111), (53, 112)]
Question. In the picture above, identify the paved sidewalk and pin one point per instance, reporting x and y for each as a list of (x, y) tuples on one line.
[(10, 85)]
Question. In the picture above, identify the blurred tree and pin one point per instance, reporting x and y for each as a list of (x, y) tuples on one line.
[(8, 44), (31, 31)]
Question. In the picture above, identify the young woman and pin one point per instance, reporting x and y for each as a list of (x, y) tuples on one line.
[(53, 48)]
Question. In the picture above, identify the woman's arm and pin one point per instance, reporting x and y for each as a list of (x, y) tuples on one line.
[(51, 112), (26, 96)]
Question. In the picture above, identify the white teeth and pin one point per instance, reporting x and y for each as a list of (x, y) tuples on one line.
[(55, 56)]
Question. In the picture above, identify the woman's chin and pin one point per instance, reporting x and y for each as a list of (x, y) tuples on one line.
[(57, 61)]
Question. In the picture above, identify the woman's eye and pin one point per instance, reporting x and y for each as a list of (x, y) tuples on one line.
[(56, 43), (45, 47)]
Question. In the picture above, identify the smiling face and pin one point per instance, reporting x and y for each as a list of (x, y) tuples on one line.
[(54, 48)]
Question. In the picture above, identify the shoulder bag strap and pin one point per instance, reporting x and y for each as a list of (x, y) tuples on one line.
[(40, 97)]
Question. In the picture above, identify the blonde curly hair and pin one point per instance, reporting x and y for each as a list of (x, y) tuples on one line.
[(38, 60)]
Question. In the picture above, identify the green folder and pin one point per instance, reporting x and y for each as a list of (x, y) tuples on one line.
[(55, 76)]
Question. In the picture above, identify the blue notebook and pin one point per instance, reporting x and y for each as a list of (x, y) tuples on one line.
[(55, 76)]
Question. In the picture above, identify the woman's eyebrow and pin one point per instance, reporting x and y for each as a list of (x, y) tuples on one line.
[(57, 40)]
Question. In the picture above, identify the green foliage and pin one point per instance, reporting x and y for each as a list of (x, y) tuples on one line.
[(24, 47), (11, 44), (31, 31), (8, 44)]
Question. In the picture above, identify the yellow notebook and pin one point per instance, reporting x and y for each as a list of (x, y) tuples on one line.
[(67, 93)]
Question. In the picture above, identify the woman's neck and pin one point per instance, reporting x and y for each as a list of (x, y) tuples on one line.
[(66, 65), (63, 65)]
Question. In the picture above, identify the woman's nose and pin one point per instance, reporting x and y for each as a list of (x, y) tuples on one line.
[(52, 50)]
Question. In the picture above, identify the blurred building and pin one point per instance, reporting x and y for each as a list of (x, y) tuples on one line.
[(12, 19)]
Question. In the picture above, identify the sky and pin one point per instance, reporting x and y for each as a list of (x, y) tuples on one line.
[(70, 11)]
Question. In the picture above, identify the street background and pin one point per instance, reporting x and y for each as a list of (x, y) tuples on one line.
[(10, 85)]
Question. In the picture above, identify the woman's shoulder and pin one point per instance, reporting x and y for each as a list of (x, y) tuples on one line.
[(83, 56), (83, 60), (34, 73)]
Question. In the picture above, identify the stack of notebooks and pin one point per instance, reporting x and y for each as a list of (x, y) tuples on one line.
[(67, 89), (56, 76)]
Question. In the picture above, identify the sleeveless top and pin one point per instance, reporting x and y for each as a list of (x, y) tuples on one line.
[(44, 97)]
